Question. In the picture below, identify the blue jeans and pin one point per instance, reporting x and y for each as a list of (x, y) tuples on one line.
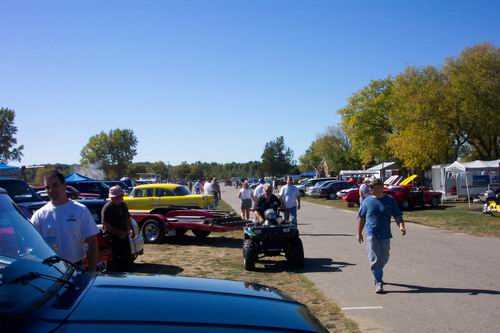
[(378, 255), (291, 215)]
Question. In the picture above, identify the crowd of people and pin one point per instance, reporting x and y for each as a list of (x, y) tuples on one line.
[(263, 198)]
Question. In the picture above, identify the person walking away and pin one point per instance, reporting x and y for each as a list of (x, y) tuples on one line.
[(116, 222), (375, 219), (267, 201), (216, 191), (208, 189), (245, 196), (190, 185), (364, 191), (67, 226), (259, 190), (290, 197), (197, 187)]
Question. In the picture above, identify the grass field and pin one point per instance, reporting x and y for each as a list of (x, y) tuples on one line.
[(220, 256), (450, 216)]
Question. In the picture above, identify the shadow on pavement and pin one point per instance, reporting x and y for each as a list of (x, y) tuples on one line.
[(229, 242), (156, 269), (328, 235), (414, 289), (311, 265)]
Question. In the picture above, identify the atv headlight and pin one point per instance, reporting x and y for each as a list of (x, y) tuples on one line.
[(286, 230), (257, 232)]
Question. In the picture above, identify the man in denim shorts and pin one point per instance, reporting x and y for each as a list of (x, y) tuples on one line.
[(375, 218)]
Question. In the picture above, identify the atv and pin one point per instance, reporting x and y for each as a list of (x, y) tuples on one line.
[(272, 238)]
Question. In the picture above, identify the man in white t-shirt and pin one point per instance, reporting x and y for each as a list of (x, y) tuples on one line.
[(67, 226), (290, 197), (259, 190)]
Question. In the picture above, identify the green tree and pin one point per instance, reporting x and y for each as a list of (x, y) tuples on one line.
[(365, 120), (112, 151), (420, 136), (277, 158), (474, 96), (9, 151)]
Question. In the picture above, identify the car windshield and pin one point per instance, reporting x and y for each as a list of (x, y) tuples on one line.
[(18, 190), (181, 190), (22, 252)]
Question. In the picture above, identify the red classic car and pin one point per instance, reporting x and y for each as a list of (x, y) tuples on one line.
[(405, 193)]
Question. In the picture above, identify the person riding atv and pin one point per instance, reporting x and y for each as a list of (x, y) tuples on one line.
[(272, 238), (265, 202)]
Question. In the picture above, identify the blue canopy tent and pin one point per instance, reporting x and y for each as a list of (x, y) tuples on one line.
[(8, 170), (76, 177)]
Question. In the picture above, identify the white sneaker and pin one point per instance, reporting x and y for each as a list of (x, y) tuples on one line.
[(379, 288)]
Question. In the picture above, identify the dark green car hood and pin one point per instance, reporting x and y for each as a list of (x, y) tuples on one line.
[(133, 303)]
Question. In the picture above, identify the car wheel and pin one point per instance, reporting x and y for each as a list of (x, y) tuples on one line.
[(201, 233), (295, 253), (152, 232), (332, 196), (249, 254)]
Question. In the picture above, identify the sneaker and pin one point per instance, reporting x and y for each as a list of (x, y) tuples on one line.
[(379, 288)]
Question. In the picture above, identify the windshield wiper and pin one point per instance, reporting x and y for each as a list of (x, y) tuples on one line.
[(55, 259), (24, 278)]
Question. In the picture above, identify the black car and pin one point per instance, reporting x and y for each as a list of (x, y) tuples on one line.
[(330, 189), (91, 186), (40, 292), (22, 194)]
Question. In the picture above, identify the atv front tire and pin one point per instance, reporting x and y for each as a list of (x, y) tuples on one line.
[(249, 254)]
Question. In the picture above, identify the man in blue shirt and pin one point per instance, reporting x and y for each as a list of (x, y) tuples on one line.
[(375, 218)]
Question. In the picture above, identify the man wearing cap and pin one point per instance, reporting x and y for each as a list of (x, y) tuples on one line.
[(375, 219), (116, 222)]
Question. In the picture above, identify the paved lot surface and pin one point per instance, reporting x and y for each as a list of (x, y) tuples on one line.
[(437, 281)]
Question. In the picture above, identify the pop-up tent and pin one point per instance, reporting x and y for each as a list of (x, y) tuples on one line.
[(471, 178), (8, 170), (76, 177)]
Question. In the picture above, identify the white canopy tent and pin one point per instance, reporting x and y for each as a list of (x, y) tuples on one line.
[(471, 178)]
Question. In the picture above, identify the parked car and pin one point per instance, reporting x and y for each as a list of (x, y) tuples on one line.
[(406, 195), (71, 192), (150, 196), (306, 184), (330, 189), (40, 292), (492, 192), (91, 186), (22, 194)]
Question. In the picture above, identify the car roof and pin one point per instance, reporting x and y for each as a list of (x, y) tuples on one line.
[(2, 191), (168, 186)]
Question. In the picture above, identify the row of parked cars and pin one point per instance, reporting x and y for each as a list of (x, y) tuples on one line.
[(41, 292)]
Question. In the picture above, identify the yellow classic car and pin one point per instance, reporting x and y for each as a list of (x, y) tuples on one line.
[(146, 198)]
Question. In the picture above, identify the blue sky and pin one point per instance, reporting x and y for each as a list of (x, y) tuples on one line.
[(211, 80)]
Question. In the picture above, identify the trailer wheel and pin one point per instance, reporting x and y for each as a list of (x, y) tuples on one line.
[(295, 254), (249, 254), (201, 233), (153, 232)]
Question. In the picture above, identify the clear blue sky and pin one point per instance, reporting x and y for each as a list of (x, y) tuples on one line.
[(211, 80)]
